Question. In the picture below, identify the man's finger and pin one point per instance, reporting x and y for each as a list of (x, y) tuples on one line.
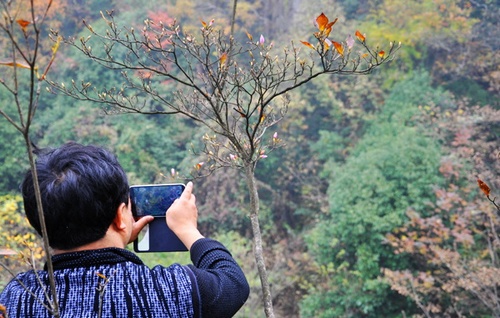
[(143, 221), (186, 194), (139, 225)]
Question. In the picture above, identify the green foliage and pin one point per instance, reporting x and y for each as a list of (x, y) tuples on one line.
[(417, 22), (356, 9), (393, 168), (452, 245), (147, 147), (467, 88), (13, 158), (329, 146), (320, 307)]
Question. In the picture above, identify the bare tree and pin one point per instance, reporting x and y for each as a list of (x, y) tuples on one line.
[(23, 55), (237, 90)]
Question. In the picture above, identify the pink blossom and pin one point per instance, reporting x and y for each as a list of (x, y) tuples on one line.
[(262, 40), (349, 41)]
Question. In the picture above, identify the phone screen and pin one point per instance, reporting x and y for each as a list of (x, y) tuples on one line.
[(154, 199)]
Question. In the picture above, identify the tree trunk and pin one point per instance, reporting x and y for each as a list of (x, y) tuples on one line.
[(257, 240), (52, 301)]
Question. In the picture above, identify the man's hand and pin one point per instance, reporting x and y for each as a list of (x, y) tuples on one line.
[(138, 225), (182, 217)]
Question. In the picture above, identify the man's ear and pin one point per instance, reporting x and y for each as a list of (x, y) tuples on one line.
[(120, 221)]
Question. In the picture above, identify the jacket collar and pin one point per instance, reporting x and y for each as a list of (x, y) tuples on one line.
[(89, 258)]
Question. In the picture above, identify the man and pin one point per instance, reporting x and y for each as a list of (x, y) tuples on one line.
[(85, 196)]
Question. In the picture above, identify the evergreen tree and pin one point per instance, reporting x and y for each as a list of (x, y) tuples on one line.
[(393, 168)]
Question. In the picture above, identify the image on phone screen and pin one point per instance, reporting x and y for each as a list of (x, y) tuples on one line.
[(154, 199)]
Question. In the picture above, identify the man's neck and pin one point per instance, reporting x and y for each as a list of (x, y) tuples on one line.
[(109, 240)]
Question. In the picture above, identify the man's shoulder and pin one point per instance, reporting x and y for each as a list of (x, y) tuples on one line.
[(27, 276), (21, 280), (172, 270)]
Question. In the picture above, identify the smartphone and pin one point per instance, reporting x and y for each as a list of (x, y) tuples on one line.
[(155, 199)]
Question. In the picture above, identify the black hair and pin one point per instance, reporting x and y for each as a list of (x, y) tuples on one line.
[(81, 187)]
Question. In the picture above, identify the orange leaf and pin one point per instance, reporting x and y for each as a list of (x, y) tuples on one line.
[(365, 55), (328, 27), (101, 276), (381, 54), (15, 65), (484, 187), (324, 26), (203, 23), (3, 311), (250, 37), (321, 21), (339, 48), (223, 58), (23, 23), (308, 44), (360, 36)]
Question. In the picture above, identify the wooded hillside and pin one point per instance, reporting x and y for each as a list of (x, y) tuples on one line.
[(370, 206)]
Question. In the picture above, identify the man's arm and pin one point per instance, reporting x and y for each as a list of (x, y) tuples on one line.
[(221, 283)]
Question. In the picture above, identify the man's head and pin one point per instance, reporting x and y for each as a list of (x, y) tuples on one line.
[(82, 188)]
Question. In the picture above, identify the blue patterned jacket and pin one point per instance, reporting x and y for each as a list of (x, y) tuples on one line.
[(114, 282)]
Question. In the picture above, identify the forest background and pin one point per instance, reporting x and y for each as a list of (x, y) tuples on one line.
[(371, 209)]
